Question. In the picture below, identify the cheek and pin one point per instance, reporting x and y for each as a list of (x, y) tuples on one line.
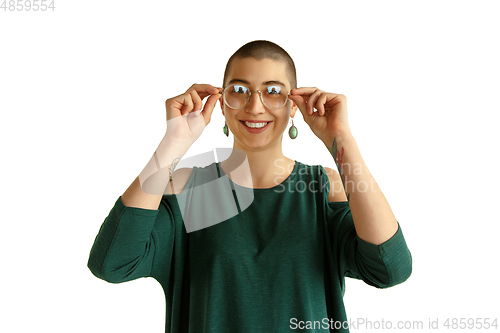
[(284, 116), (229, 115)]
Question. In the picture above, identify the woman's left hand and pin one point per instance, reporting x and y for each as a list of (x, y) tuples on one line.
[(330, 119)]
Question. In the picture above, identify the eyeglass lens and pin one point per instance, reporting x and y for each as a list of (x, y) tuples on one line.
[(273, 97)]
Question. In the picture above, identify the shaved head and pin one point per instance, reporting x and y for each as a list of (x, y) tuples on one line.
[(263, 49)]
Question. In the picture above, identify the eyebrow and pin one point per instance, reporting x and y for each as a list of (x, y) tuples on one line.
[(263, 83)]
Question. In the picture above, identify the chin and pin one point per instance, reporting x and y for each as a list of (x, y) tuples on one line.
[(257, 143)]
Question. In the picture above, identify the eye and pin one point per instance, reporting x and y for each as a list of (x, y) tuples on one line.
[(274, 90), (240, 89)]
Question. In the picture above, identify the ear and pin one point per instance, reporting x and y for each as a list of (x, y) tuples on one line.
[(294, 109), (221, 101)]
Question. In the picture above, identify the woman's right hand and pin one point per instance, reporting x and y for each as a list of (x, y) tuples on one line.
[(185, 122)]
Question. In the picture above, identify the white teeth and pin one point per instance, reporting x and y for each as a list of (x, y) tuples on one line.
[(255, 125)]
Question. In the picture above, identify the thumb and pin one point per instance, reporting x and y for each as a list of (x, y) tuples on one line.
[(209, 107)]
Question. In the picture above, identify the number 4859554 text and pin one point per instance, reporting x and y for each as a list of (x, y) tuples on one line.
[(27, 5)]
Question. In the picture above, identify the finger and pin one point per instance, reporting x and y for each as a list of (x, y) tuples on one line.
[(197, 104), (204, 90), (209, 107), (300, 101), (305, 115), (187, 104), (311, 102), (305, 91), (320, 103), (308, 118)]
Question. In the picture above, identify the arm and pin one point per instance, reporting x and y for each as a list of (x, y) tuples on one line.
[(147, 190), (138, 229), (337, 193), (125, 247), (184, 125), (382, 266), (366, 241), (373, 217)]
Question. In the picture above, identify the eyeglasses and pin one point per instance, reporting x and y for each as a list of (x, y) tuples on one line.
[(237, 96)]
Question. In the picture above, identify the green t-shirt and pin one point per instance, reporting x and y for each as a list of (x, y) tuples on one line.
[(267, 260)]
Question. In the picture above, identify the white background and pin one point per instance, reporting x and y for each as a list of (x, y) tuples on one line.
[(82, 91)]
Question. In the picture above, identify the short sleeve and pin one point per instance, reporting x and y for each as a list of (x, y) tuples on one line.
[(381, 266)]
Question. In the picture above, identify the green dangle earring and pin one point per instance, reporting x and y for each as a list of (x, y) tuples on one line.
[(292, 132), (225, 129)]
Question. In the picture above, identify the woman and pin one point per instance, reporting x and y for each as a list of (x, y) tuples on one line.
[(258, 242)]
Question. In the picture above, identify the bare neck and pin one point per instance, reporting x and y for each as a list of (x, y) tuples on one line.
[(262, 168)]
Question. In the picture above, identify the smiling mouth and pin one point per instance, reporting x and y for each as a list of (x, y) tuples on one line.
[(254, 125)]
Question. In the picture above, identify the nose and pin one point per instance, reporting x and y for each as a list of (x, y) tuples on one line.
[(254, 105)]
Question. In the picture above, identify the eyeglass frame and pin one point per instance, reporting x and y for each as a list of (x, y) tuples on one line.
[(250, 96)]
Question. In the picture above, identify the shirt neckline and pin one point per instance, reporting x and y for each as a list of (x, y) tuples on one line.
[(283, 183)]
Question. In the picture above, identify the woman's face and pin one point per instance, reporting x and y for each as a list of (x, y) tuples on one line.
[(257, 75)]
